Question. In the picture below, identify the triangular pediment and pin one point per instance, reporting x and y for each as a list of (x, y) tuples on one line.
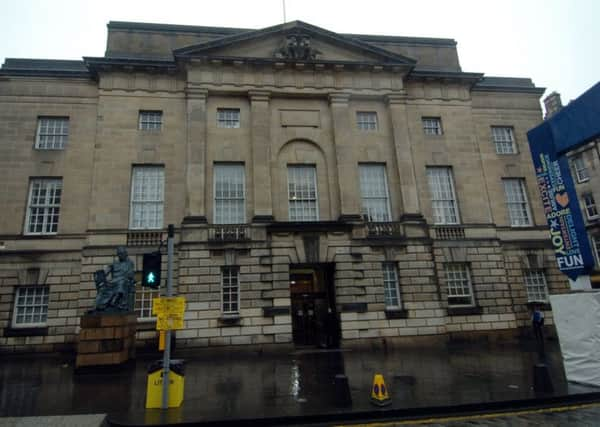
[(294, 41)]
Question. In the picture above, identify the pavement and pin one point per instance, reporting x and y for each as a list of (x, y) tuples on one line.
[(284, 388)]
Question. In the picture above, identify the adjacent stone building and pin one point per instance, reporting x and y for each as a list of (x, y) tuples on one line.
[(327, 189), (585, 171)]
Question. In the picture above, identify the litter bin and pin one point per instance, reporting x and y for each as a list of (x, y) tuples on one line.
[(154, 388)]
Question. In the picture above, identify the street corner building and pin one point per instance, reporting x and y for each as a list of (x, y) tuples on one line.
[(326, 189)]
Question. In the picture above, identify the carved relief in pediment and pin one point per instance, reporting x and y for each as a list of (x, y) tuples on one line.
[(297, 46)]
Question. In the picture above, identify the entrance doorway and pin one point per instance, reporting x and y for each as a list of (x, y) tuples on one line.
[(314, 316)]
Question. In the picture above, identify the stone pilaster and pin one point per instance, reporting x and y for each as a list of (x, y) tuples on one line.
[(404, 156), (260, 126), (195, 208), (347, 168)]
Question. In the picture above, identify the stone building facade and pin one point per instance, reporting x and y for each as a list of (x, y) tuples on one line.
[(327, 189), (585, 171)]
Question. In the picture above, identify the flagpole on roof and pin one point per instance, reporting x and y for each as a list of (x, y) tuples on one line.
[(283, 1)]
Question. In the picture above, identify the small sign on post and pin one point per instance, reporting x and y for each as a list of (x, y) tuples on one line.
[(169, 312)]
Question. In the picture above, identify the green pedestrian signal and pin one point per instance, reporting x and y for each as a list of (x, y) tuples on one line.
[(151, 270)]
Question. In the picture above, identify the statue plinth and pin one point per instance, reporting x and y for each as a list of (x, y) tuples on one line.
[(106, 339)]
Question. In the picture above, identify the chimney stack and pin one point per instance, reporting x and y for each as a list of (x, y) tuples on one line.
[(553, 104)]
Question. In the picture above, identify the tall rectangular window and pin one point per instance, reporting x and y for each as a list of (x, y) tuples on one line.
[(147, 197), (150, 120), (391, 291), (229, 194), (366, 120), (43, 207), (591, 211), (516, 201), (31, 306), (535, 285), (52, 133), (228, 117), (504, 139), (581, 171), (443, 198), (374, 193), (432, 125), (230, 290), (302, 193), (458, 282)]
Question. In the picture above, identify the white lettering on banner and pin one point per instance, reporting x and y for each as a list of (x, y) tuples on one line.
[(568, 262)]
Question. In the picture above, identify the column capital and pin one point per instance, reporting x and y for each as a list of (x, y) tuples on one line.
[(259, 95), (193, 91), (396, 98), (339, 98)]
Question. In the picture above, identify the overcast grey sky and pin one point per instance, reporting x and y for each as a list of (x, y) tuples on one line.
[(555, 42)]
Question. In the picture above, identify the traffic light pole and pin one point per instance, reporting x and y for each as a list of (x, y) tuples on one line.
[(167, 352)]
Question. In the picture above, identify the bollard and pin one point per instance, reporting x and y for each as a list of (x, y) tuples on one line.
[(343, 399), (542, 383)]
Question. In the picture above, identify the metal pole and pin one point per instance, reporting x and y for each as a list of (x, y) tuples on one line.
[(284, 20), (167, 352)]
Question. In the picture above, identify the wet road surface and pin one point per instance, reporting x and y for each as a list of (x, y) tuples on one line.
[(251, 385)]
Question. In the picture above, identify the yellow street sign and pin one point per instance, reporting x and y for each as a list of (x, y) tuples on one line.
[(169, 323), (169, 312), (165, 306)]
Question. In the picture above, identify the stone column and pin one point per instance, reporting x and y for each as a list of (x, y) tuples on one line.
[(347, 166), (404, 157), (195, 167), (260, 125)]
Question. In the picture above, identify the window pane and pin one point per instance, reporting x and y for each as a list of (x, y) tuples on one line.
[(374, 192), (390, 285), (228, 117), (302, 193), (366, 120), (535, 284), (147, 197), (150, 120), (31, 306), (52, 133), (230, 294), (43, 209), (229, 194), (516, 200), (503, 139), (443, 200), (458, 282), (432, 125)]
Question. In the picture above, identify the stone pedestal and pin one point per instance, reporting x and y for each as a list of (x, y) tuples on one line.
[(106, 339)]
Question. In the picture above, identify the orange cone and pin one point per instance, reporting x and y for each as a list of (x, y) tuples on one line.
[(379, 392)]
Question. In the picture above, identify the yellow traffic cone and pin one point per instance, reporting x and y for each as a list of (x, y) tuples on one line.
[(379, 392)]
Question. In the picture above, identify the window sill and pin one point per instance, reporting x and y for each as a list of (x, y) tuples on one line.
[(26, 332), (355, 307), (543, 305), (464, 311), (230, 320), (146, 325), (275, 311), (396, 313)]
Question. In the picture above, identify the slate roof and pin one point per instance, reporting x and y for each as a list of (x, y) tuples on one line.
[(44, 67)]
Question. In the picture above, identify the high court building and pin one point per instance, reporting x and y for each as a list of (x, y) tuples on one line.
[(326, 189)]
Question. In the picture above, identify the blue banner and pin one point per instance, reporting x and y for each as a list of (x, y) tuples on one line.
[(561, 206)]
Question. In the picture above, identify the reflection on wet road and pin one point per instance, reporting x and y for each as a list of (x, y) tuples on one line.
[(249, 385)]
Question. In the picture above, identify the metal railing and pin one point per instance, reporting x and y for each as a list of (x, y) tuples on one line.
[(229, 233), (451, 232), (144, 238), (384, 229)]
